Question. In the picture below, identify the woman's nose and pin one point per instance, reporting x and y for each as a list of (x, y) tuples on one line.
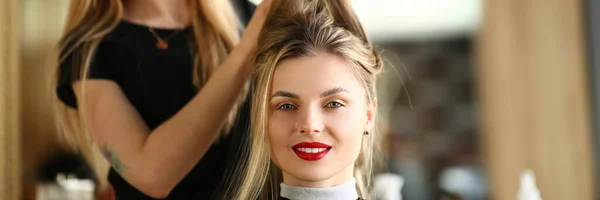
[(310, 121)]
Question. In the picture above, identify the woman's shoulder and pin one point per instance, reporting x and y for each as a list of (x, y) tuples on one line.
[(113, 39), (113, 49)]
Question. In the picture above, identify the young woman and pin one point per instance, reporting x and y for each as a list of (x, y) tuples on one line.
[(313, 107), (159, 87)]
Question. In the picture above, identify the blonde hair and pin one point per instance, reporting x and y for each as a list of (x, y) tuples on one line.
[(303, 28), (215, 29)]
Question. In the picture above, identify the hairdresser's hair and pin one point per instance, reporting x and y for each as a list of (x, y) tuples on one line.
[(215, 29), (303, 28)]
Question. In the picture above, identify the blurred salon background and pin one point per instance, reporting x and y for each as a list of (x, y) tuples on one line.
[(481, 99)]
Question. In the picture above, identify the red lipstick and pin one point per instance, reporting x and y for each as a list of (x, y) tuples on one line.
[(311, 151)]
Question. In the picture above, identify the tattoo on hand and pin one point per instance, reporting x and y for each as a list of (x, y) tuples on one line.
[(112, 158)]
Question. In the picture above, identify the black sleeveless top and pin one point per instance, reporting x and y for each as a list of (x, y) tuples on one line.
[(158, 83)]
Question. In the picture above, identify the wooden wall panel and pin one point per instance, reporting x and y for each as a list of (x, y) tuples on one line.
[(532, 84), (10, 154)]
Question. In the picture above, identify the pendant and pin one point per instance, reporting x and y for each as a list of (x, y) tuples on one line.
[(162, 45)]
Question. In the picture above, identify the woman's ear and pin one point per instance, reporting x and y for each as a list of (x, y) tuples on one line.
[(371, 114)]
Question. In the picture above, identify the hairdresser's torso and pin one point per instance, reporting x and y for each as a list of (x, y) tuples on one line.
[(158, 83)]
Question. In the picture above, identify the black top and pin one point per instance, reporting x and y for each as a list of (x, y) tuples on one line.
[(158, 83), (283, 198)]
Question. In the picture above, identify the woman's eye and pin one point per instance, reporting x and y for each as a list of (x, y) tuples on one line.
[(286, 106), (334, 104)]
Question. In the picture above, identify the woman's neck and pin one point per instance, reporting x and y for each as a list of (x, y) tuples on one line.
[(345, 191), (157, 13)]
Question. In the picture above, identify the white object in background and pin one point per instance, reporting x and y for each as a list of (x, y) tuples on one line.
[(388, 186), (527, 187), (466, 181), (66, 188), (255, 2)]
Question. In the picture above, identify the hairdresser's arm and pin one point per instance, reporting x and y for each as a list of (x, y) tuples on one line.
[(155, 161)]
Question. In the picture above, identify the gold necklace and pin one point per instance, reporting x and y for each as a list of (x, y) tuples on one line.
[(162, 42)]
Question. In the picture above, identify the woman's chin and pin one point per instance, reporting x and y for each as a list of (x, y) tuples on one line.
[(310, 178)]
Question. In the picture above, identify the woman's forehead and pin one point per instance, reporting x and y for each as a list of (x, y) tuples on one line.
[(316, 74)]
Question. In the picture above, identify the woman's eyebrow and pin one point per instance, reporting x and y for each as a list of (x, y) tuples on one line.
[(285, 94)]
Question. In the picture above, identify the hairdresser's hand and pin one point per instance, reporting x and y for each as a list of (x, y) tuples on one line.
[(249, 40)]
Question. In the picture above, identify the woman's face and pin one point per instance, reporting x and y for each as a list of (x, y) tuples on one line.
[(318, 113)]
